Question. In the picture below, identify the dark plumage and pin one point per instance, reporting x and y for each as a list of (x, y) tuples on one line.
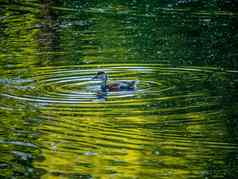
[(114, 86)]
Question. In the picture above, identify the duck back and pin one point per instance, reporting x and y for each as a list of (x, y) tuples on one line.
[(121, 85)]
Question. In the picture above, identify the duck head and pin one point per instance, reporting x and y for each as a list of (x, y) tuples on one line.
[(101, 75)]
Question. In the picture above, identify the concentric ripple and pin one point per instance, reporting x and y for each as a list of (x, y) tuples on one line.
[(179, 123), (163, 126), (74, 85), (158, 88)]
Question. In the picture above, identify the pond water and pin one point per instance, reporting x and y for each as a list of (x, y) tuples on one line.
[(179, 122)]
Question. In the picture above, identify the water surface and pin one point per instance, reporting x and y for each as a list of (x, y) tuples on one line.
[(179, 122)]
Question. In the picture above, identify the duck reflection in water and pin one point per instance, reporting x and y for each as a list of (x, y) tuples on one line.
[(116, 86), (101, 95)]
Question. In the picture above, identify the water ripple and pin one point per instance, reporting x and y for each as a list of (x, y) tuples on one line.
[(168, 118)]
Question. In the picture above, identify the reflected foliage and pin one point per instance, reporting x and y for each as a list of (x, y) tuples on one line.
[(181, 122), (18, 147)]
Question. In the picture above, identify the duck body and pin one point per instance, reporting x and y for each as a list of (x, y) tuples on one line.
[(121, 86), (114, 86)]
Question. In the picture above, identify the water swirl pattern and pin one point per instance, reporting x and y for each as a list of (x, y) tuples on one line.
[(180, 122), (158, 125), (75, 85)]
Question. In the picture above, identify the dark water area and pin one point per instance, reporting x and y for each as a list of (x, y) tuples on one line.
[(180, 121)]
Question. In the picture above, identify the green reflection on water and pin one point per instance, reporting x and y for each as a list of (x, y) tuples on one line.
[(180, 122)]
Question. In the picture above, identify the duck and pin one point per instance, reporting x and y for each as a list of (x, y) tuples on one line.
[(114, 86)]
